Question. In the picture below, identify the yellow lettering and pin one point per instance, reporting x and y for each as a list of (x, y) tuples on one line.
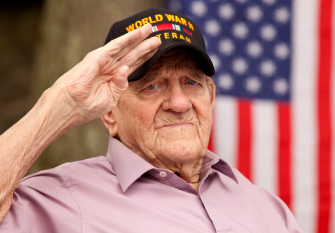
[(190, 26), (145, 21), (159, 36), (177, 20), (181, 37), (170, 17), (166, 35), (138, 24), (130, 28), (174, 35), (188, 40), (183, 21), (159, 17), (150, 20)]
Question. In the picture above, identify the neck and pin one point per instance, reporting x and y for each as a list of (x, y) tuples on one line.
[(190, 171)]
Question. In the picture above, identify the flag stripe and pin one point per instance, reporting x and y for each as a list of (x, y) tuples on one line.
[(264, 120), (324, 116), (225, 125), (332, 210), (244, 160), (303, 112), (284, 153)]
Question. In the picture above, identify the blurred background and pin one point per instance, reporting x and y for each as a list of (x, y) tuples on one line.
[(274, 61)]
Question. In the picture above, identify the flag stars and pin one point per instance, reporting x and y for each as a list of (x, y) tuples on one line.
[(215, 60), (253, 85), (240, 30), (198, 8), (212, 27), (241, 1), (282, 15), (281, 51), (269, 2), (239, 66), (226, 47), (225, 82), (267, 68), (268, 32), (280, 86), (226, 11), (254, 49), (254, 13)]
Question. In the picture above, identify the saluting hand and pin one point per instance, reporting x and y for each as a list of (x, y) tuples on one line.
[(95, 85)]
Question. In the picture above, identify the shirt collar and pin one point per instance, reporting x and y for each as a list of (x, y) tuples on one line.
[(128, 166)]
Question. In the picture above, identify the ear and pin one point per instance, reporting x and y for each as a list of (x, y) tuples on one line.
[(110, 123), (212, 92)]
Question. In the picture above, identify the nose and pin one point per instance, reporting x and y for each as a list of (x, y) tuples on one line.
[(176, 100)]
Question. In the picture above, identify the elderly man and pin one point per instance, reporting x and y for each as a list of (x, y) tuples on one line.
[(158, 175)]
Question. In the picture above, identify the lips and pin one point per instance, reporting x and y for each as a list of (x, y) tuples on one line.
[(185, 124)]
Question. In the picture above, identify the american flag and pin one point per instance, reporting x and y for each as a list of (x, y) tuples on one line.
[(273, 118)]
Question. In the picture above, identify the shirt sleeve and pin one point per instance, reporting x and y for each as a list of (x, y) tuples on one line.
[(42, 203), (281, 208)]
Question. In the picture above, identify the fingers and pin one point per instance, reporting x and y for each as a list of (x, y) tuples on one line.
[(123, 44), (141, 53), (141, 61)]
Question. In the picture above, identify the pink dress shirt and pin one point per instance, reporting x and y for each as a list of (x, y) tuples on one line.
[(123, 193)]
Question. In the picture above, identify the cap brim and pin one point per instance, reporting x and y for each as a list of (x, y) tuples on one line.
[(204, 60)]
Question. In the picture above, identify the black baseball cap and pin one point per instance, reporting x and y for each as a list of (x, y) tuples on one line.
[(175, 31)]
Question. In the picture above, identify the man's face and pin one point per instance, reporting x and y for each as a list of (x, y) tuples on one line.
[(166, 117)]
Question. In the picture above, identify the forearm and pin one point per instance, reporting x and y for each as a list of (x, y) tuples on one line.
[(21, 145)]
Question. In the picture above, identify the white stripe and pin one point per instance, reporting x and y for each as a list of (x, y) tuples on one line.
[(304, 61), (264, 147), (225, 128)]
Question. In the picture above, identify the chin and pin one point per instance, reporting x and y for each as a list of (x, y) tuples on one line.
[(181, 150)]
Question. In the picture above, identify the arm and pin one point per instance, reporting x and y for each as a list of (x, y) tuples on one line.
[(89, 90)]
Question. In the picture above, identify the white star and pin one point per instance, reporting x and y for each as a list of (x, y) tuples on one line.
[(225, 81), (226, 47), (198, 8), (215, 60), (212, 27), (239, 66), (268, 32), (269, 2), (240, 1), (281, 51), (280, 86), (252, 84), (254, 13), (175, 5), (240, 30), (282, 15), (226, 11), (267, 68), (254, 49)]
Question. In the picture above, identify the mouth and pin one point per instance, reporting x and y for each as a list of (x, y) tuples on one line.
[(183, 124)]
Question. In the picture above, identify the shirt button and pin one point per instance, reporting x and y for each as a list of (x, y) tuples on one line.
[(162, 174)]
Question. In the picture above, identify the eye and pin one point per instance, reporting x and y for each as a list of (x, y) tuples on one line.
[(152, 86), (192, 82)]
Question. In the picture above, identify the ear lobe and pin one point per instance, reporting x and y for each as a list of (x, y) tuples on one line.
[(110, 123)]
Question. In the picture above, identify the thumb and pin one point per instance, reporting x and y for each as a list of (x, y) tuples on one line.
[(119, 82)]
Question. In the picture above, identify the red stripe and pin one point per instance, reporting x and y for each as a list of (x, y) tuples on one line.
[(324, 116), (164, 27), (211, 144), (284, 153), (244, 162)]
